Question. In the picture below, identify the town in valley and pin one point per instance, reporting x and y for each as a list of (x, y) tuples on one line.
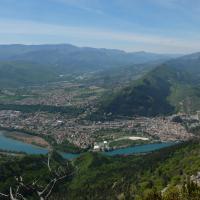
[(77, 129)]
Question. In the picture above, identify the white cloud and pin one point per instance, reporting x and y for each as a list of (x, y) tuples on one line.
[(92, 6), (90, 34)]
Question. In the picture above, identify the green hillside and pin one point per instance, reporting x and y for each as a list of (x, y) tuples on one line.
[(118, 77), (171, 87), (20, 73)]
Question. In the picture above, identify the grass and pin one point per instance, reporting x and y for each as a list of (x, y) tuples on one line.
[(126, 143)]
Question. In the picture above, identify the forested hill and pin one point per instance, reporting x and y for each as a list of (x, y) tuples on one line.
[(170, 87)]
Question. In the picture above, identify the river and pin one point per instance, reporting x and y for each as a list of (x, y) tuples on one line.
[(10, 144)]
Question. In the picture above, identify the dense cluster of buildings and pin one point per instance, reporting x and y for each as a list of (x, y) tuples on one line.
[(47, 124), (82, 133), (64, 94), (161, 128)]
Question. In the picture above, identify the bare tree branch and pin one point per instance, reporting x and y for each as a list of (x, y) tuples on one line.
[(11, 194), (4, 195), (43, 192)]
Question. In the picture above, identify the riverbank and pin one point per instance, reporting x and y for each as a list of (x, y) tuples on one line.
[(11, 153), (40, 141), (27, 138)]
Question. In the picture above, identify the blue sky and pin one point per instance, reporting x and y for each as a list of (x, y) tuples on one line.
[(164, 26)]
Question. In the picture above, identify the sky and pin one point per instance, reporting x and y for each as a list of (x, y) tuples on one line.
[(162, 26)]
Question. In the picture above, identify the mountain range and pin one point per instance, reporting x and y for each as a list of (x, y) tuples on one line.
[(36, 64)]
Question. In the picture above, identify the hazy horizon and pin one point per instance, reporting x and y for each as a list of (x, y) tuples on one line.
[(100, 48)]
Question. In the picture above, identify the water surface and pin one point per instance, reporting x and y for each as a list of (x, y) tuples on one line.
[(10, 144)]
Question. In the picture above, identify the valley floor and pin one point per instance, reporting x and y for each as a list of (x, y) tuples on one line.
[(57, 115)]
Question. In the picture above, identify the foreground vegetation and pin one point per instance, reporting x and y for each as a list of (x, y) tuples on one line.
[(95, 176), (186, 191)]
